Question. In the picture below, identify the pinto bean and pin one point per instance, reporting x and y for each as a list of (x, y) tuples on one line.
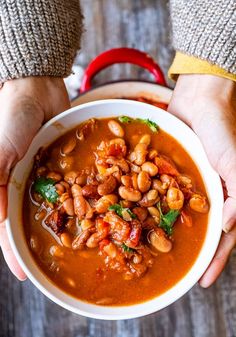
[(66, 240), (93, 240), (102, 232), (199, 203), (121, 163), (126, 181), (153, 211), (184, 181), (76, 190), (135, 181), (140, 151), (69, 146), (158, 185), (149, 199), (159, 240), (141, 213), (144, 181), (116, 128), (129, 193), (104, 202), (54, 176), (135, 168), (132, 156), (175, 198), (68, 206), (80, 204), (145, 139), (166, 180), (60, 189), (86, 223), (150, 168), (107, 187)]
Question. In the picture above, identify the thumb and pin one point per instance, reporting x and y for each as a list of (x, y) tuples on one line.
[(8, 157), (3, 203), (229, 214)]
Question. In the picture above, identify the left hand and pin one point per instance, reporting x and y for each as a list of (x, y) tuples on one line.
[(25, 104), (207, 104)]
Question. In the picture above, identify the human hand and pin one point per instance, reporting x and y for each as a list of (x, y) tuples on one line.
[(207, 104), (25, 104)]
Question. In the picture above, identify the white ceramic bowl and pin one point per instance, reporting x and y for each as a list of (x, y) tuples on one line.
[(59, 125)]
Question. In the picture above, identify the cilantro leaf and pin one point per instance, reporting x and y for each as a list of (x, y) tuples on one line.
[(127, 249), (45, 187), (167, 220), (124, 119), (124, 213), (152, 125)]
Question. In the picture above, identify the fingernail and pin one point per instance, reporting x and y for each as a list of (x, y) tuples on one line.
[(203, 284)]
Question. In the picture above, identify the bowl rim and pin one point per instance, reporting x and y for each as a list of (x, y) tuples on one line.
[(135, 310)]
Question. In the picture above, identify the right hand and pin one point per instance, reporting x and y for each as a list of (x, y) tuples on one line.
[(207, 104), (25, 104)]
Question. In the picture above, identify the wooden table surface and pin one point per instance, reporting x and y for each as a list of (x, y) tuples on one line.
[(24, 311)]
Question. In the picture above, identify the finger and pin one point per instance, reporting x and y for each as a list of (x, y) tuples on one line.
[(229, 214), (220, 259), (3, 203), (7, 158), (9, 256)]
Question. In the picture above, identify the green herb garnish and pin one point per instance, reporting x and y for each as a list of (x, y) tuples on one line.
[(127, 249), (122, 212), (45, 187), (124, 119), (167, 220), (152, 125)]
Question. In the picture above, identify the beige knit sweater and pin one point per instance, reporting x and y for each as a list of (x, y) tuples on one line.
[(41, 37), (206, 29), (38, 37)]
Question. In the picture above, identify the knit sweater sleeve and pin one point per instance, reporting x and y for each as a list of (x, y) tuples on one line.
[(38, 37), (206, 29)]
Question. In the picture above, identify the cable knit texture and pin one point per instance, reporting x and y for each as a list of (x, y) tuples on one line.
[(38, 37), (207, 30)]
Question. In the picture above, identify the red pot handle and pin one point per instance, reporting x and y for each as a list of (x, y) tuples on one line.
[(121, 55)]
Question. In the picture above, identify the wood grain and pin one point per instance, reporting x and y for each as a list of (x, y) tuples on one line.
[(24, 311)]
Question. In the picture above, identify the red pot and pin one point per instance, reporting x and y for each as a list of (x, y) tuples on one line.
[(153, 92)]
